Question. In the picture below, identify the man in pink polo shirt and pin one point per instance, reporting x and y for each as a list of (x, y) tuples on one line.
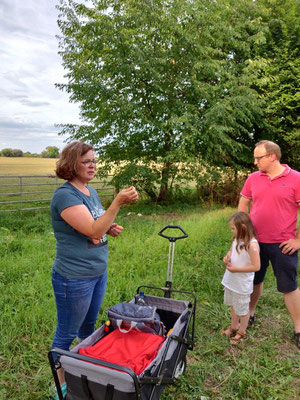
[(274, 195)]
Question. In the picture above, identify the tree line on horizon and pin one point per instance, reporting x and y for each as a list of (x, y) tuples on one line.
[(49, 152)]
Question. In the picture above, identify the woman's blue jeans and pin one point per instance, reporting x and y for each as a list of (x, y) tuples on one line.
[(78, 302)]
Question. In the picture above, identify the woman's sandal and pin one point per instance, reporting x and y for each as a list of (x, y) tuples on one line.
[(238, 338), (229, 332)]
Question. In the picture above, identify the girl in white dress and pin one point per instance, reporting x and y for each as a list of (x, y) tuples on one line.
[(242, 260)]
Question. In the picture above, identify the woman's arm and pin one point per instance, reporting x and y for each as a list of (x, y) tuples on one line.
[(80, 218), (255, 261)]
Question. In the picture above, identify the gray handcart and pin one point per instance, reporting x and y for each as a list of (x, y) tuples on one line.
[(90, 378)]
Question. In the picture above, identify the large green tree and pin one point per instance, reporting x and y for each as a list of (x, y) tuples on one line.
[(161, 82), (275, 70), (50, 152)]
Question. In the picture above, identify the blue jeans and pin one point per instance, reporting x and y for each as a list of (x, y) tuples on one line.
[(78, 302)]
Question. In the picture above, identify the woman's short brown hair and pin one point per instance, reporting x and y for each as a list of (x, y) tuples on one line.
[(271, 148), (67, 165)]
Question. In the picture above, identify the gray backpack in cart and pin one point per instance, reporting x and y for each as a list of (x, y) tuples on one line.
[(127, 316)]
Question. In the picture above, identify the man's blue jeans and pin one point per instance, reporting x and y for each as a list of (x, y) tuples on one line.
[(78, 302)]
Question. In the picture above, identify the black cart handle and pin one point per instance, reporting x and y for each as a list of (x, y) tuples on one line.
[(173, 238)]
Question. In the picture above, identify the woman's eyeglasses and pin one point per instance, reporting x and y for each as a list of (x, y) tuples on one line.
[(88, 163)]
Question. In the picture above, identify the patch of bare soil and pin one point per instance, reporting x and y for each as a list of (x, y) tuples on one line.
[(282, 327)]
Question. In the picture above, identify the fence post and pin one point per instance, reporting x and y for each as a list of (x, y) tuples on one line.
[(21, 193)]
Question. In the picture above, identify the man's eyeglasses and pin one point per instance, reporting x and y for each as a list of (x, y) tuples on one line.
[(88, 163), (259, 158)]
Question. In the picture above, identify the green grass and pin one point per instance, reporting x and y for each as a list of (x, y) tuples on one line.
[(264, 367)]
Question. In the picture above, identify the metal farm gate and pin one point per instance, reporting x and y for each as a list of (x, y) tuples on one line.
[(33, 192)]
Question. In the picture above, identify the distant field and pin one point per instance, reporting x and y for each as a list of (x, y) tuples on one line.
[(21, 187), (27, 166)]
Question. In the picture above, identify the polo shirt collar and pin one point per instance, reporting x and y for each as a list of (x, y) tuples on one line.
[(286, 171)]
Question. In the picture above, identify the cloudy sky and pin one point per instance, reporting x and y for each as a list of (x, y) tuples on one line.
[(30, 105)]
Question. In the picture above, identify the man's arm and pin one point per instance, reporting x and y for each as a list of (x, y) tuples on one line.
[(244, 204), (291, 245)]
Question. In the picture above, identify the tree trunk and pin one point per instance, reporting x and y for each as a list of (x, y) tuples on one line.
[(163, 193), (165, 173)]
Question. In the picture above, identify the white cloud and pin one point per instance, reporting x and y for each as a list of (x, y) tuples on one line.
[(30, 105)]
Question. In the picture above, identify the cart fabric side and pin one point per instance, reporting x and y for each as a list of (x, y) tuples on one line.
[(91, 381)]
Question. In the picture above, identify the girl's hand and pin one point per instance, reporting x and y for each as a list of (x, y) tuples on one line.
[(115, 230), (226, 259), (231, 268)]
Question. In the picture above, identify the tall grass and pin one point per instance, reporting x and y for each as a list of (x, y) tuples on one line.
[(264, 367)]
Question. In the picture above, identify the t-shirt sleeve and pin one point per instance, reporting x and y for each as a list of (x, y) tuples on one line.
[(246, 190), (64, 198)]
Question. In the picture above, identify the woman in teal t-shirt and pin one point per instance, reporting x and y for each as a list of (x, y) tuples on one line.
[(80, 227)]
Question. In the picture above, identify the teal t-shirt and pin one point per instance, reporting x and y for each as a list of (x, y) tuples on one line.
[(76, 255)]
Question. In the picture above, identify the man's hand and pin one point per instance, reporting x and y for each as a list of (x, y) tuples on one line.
[(290, 246)]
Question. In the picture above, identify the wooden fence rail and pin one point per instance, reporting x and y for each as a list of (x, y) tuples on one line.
[(33, 192)]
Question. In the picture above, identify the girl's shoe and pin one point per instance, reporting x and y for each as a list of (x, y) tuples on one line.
[(229, 332), (238, 338), (63, 388), (251, 320), (297, 339)]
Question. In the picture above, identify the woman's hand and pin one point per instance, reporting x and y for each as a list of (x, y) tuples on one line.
[(115, 230), (126, 196)]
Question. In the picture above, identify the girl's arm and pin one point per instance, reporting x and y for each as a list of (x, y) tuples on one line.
[(255, 261)]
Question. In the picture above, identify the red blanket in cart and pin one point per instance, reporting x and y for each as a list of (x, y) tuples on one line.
[(134, 349)]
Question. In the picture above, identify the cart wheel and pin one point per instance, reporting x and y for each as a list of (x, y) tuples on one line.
[(180, 369)]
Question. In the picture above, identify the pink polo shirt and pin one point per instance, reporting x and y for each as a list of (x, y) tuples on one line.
[(275, 204)]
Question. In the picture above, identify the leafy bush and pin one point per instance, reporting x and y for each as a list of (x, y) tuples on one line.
[(142, 177)]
